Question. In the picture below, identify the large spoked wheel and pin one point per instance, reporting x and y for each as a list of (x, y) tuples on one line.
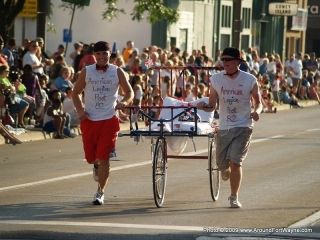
[(159, 170), (214, 173)]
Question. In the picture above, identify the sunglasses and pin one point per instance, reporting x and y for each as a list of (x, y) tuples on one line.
[(228, 59)]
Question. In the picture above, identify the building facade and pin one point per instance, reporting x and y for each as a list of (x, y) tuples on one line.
[(313, 29), (215, 24), (88, 26), (279, 33)]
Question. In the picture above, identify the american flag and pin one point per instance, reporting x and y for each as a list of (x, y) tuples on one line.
[(148, 63)]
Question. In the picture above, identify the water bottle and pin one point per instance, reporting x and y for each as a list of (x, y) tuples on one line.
[(32, 121)]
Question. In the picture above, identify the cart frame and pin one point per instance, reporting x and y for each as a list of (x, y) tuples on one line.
[(159, 153)]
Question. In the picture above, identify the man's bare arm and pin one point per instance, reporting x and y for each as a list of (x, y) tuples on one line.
[(77, 94), (257, 105), (212, 104)]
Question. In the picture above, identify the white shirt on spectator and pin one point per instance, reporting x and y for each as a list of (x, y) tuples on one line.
[(31, 59)]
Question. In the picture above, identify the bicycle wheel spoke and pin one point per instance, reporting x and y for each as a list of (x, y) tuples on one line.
[(159, 172), (214, 173)]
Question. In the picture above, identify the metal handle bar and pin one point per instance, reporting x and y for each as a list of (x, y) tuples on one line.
[(187, 109), (139, 110)]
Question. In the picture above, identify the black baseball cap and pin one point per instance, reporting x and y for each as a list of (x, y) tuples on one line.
[(101, 46), (231, 52)]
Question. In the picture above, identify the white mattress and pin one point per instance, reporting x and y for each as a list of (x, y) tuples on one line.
[(177, 144), (168, 101), (202, 127)]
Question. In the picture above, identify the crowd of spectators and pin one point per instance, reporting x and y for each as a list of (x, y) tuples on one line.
[(36, 87)]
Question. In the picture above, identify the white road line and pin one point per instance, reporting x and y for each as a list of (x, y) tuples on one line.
[(200, 151), (266, 139), (304, 222), (307, 221), (70, 177), (43, 181), (100, 224), (51, 180), (312, 130)]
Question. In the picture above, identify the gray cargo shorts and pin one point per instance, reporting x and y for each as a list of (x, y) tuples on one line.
[(232, 145)]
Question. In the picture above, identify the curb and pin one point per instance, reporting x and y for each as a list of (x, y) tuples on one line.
[(36, 134)]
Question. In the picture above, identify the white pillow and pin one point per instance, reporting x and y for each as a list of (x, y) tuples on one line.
[(204, 116), (169, 101), (165, 113)]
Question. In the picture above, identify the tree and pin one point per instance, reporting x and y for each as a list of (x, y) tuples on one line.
[(156, 10), (9, 9)]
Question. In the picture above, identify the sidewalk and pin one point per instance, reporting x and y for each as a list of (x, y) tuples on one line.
[(37, 134)]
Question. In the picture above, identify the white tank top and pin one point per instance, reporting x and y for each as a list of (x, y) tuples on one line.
[(234, 99), (101, 92)]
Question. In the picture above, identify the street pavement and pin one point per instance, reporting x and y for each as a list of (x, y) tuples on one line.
[(310, 223)]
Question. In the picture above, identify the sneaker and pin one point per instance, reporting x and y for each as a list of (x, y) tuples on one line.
[(225, 174), (95, 172), (98, 198), (234, 202), (113, 156)]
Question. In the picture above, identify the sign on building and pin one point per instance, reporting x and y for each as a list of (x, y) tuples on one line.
[(29, 9), (67, 35), (299, 22), (283, 9)]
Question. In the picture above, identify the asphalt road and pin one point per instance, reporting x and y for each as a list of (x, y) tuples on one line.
[(46, 189)]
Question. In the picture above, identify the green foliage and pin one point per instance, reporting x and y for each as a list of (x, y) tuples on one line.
[(9, 9), (112, 11), (155, 10)]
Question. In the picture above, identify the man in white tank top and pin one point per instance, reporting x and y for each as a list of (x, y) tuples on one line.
[(100, 83), (234, 89)]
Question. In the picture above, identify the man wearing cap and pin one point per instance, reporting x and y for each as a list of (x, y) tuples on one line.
[(42, 55), (100, 84), (234, 90)]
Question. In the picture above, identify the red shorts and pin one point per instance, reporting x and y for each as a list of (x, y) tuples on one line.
[(99, 138)]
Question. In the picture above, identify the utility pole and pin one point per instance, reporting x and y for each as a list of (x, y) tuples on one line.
[(75, 4), (70, 26), (216, 29), (237, 24)]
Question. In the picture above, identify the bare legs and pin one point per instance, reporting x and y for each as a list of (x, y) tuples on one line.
[(235, 178), (103, 174), (58, 123), (21, 116)]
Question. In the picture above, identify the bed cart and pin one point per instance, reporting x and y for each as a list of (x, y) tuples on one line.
[(158, 130)]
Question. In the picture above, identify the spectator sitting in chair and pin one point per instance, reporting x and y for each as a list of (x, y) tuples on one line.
[(55, 120), (62, 81), (15, 103), (267, 102), (68, 107), (8, 137), (21, 91), (288, 98)]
